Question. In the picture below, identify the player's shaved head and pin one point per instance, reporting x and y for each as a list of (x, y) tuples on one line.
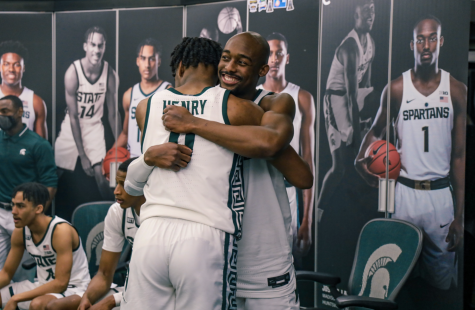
[(425, 18), (262, 51)]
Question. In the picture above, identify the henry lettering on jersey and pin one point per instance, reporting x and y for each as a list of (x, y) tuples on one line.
[(44, 261), (429, 113), (195, 105)]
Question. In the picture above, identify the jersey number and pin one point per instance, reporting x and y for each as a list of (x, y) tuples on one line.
[(425, 129), (90, 112), (189, 139), (50, 274)]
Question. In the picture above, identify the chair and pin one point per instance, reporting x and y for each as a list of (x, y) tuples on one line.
[(88, 219), (386, 253)]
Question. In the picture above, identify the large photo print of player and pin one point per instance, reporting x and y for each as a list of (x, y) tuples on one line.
[(86, 91), (144, 63), (355, 44), (26, 67), (428, 113)]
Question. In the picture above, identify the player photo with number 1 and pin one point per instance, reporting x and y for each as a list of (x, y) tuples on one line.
[(428, 110), (90, 83)]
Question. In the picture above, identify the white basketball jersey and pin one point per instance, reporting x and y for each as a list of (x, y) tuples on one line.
[(265, 250), (91, 95), (130, 224), (293, 90), (45, 257), (424, 130), (29, 115), (133, 136), (210, 189), (336, 77)]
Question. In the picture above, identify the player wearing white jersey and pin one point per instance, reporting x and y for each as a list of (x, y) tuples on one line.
[(266, 278), (13, 56), (56, 247), (348, 83), (428, 108), (190, 222), (121, 224), (148, 61), (90, 83), (303, 141)]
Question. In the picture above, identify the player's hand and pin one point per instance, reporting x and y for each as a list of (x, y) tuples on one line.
[(11, 304), (178, 119), (105, 304), (168, 156), (304, 237), (361, 166), (455, 235), (86, 165), (84, 304)]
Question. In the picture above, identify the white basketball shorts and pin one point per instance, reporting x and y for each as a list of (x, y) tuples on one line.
[(432, 211), (93, 141), (178, 264), (287, 302), (20, 287)]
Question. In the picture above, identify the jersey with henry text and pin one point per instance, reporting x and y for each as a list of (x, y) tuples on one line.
[(29, 115), (133, 136), (210, 189), (336, 77), (119, 225), (45, 256), (90, 96), (265, 250), (424, 130)]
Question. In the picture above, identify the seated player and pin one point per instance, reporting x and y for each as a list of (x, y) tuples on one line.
[(121, 223), (56, 247)]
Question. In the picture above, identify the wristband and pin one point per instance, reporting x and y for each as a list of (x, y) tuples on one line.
[(117, 298)]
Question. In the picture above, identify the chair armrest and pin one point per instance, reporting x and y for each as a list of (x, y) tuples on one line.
[(320, 277), (366, 302), (30, 263), (122, 266)]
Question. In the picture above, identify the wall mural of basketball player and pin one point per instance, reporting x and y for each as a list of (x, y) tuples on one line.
[(216, 21), (90, 84), (428, 108), (12, 63), (303, 140)]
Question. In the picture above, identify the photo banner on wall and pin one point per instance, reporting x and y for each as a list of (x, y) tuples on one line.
[(354, 62), (86, 105), (293, 65), (31, 52)]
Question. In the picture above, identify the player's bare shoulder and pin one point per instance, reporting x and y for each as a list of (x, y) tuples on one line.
[(458, 92), (243, 112), (282, 103), (397, 92), (71, 77)]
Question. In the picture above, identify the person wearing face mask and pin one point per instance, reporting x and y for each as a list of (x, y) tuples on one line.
[(24, 157)]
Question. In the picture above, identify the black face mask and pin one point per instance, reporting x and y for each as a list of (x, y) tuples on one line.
[(7, 122)]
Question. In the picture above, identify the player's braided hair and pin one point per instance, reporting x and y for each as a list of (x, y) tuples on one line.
[(150, 42), (95, 29), (34, 192), (13, 47), (193, 51)]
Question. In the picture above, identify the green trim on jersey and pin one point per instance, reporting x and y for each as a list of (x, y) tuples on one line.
[(46, 232), (173, 90), (153, 91), (173, 137), (225, 272), (123, 221), (24, 239), (225, 107), (146, 122), (135, 218), (190, 140), (259, 91)]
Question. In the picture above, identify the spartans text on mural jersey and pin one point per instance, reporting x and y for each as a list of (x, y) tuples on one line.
[(429, 113)]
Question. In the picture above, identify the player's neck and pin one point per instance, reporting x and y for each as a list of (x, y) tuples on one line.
[(15, 89), (195, 80), (150, 84), (275, 84), (39, 226), (89, 67), (426, 73), (139, 204)]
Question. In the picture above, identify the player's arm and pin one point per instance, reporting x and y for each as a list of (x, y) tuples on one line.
[(294, 168), (265, 141), (13, 258), (46, 169), (111, 99), (71, 85), (123, 137), (39, 107), (348, 56), (63, 245), (378, 130), (457, 169), (307, 146)]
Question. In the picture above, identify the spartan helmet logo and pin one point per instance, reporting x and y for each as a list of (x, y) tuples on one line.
[(95, 238), (376, 272)]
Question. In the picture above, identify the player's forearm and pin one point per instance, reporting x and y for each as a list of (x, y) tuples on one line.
[(248, 141), (5, 278), (116, 128), (76, 129), (137, 176), (52, 193), (121, 141), (54, 286), (98, 287), (308, 199), (458, 176), (294, 168)]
